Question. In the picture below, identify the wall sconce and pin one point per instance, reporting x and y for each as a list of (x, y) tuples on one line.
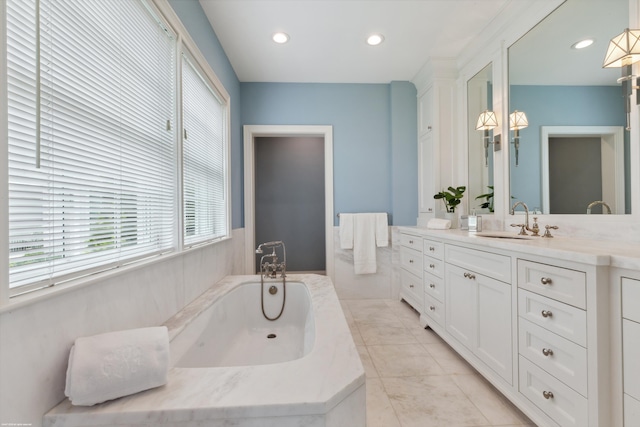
[(623, 51), (486, 122), (517, 120)]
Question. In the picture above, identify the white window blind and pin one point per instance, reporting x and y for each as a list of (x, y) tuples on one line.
[(91, 98), (204, 173)]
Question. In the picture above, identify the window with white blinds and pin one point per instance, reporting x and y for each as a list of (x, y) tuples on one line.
[(203, 157), (92, 151)]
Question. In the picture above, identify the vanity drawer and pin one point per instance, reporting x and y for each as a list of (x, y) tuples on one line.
[(562, 358), (562, 284), (631, 357), (488, 264), (411, 241), (631, 299), (412, 288), (434, 309), (433, 266), (562, 319), (411, 260), (434, 286), (564, 405), (631, 411), (433, 249)]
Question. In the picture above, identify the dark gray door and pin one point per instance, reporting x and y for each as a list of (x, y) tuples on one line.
[(289, 198), (575, 174)]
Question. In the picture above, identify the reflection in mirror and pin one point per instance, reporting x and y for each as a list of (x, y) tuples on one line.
[(574, 150), (479, 99)]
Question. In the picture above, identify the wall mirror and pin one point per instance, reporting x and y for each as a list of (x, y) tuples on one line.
[(574, 150), (480, 182)]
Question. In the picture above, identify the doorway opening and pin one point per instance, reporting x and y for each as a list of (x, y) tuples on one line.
[(582, 164), (275, 207)]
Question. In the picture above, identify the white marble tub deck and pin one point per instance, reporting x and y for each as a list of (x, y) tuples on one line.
[(324, 388)]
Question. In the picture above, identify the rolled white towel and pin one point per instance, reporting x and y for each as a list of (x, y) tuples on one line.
[(115, 364), (439, 224)]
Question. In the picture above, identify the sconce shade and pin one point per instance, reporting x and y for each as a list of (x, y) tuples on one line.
[(487, 121), (624, 49), (518, 120)]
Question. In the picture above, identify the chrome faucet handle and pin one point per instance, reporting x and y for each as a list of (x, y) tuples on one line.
[(547, 233), (522, 229)]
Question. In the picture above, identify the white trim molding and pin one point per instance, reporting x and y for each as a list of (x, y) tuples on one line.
[(250, 134)]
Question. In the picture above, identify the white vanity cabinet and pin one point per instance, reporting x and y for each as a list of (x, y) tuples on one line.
[(478, 305), (411, 289), (631, 351), (433, 283)]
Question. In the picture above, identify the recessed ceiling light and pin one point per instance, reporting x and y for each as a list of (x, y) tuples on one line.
[(280, 38), (375, 39), (582, 44)]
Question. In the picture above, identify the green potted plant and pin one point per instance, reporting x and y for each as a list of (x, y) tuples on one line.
[(450, 198)]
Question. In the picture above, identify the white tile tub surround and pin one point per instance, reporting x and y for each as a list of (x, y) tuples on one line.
[(36, 337), (325, 388)]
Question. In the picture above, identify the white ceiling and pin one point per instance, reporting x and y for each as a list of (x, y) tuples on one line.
[(328, 38)]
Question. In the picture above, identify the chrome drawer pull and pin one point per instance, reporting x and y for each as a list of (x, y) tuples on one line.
[(546, 313), (547, 352), (469, 276), (410, 261), (411, 242), (432, 249), (411, 286), (545, 281), (547, 394), (432, 266), (432, 286), (432, 308)]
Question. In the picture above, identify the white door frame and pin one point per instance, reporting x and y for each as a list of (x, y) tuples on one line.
[(251, 132), (612, 144)]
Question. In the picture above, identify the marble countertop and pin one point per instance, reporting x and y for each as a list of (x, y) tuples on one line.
[(588, 251), (313, 384)]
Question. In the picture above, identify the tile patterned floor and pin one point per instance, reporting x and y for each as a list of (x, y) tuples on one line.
[(414, 378)]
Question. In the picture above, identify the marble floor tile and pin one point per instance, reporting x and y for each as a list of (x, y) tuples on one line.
[(493, 405), (431, 401), (372, 312), (369, 369), (448, 359), (403, 360), (380, 413), (389, 333)]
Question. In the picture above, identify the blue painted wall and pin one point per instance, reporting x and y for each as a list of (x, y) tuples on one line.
[(374, 129), (558, 106)]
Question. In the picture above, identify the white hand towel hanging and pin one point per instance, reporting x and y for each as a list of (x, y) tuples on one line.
[(364, 233)]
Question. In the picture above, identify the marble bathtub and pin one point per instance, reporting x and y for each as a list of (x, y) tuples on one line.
[(323, 388)]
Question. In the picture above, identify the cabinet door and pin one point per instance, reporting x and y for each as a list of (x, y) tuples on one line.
[(494, 325), (460, 308), (426, 174)]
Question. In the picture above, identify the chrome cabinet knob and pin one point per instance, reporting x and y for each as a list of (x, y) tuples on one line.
[(547, 352), (547, 394), (411, 286), (545, 281), (546, 313), (469, 276), (432, 308), (410, 261), (432, 249), (411, 242), (432, 286), (431, 266)]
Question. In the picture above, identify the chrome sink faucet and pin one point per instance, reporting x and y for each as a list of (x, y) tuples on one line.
[(524, 226), (599, 202)]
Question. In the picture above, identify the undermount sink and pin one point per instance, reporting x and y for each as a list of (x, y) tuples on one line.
[(503, 235)]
